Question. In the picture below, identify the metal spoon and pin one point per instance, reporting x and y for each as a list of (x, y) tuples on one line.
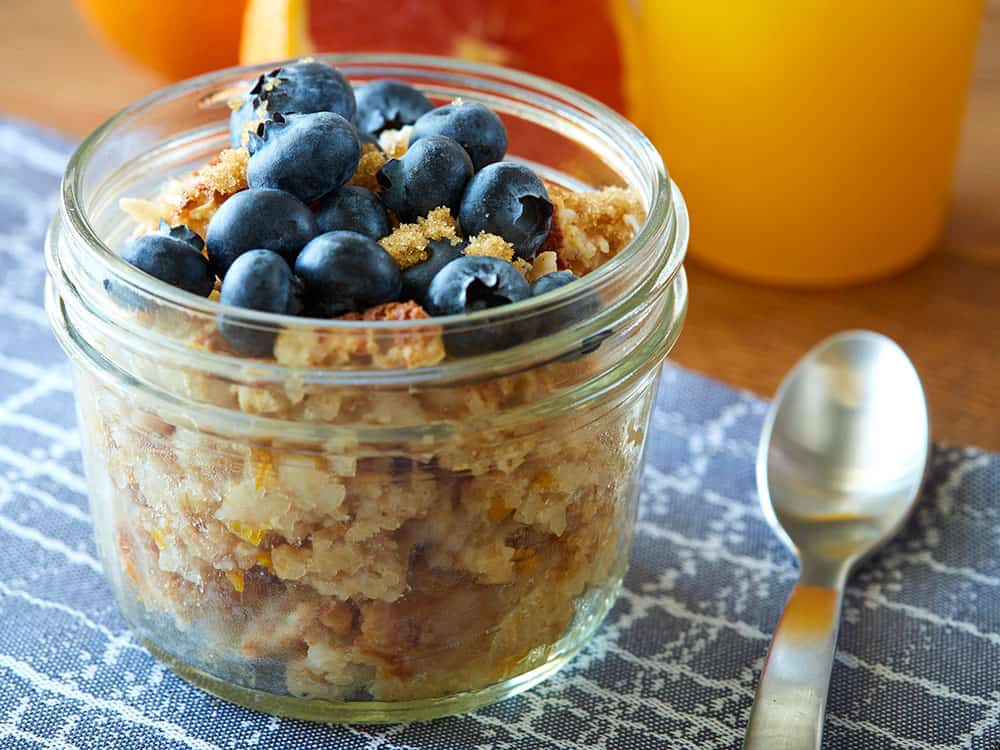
[(840, 464)]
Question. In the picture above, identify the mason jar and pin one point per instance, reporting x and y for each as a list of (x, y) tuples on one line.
[(360, 528)]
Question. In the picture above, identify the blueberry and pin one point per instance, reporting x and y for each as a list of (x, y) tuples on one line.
[(416, 279), (386, 104), (364, 138), (476, 282), (354, 209), (239, 122), (257, 280), (432, 173), (169, 258), (303, 87), (593, 342), (305, 155), (347, 271), (297, 297), (562, 317), (509, 200), (550, 281), (472, 124), (184, 234), (254, 219)]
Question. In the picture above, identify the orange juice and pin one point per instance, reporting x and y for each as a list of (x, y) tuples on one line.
[(814, 140)]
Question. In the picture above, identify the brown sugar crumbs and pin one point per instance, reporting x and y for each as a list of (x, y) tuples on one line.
[(588, 227), (371, 162), (193, 199), (408, 242), (492, 245)]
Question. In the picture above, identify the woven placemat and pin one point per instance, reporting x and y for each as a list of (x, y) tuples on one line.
[(673, 667)]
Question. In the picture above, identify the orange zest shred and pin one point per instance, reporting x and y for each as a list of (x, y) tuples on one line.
[(236, 579), (251, 534), (264, 559), (264, 470), (159, 538)]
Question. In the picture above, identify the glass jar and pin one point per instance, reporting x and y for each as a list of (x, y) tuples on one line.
[(360, 528)]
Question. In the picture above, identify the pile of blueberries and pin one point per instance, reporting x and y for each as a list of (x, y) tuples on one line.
[(301, 241)]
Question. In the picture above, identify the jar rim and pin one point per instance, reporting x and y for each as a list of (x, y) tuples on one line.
[(568, 103)]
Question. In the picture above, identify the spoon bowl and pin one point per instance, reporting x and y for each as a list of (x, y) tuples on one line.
[(844, 447), (841, 461)]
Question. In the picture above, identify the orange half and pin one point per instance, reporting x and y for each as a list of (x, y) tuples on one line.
[(176, 39)]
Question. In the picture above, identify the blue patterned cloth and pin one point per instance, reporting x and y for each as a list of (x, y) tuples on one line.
[(673, 667)]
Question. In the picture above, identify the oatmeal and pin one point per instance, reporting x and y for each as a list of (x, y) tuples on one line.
[(338, 510)]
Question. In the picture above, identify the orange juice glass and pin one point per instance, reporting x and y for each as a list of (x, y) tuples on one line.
[(815, 139)]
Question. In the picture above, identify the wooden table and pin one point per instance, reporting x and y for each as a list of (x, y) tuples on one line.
[(945, 312)]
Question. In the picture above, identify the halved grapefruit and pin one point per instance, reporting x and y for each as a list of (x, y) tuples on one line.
[(580, 43)]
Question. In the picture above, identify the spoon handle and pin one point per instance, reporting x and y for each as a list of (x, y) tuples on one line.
[(790, 704)]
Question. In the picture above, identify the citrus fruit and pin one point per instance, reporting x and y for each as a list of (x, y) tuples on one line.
[(176, 39), (578, 44)]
